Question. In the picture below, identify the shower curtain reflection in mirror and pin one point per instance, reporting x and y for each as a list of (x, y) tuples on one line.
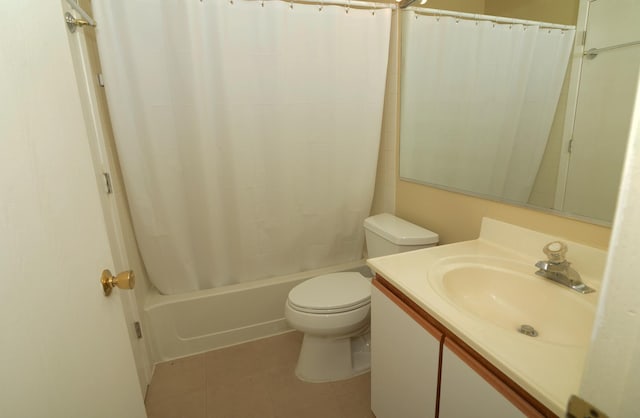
[(477, 102), (247, 133)]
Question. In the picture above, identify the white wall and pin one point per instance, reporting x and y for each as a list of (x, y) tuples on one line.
[(63, 346), (611, 380)]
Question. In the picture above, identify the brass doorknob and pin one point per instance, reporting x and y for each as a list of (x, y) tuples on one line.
[(124, 280)]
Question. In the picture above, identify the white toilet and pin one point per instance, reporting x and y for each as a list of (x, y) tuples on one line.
[(332, 310)]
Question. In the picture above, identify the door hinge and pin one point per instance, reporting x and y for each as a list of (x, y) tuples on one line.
[(100, 80), (584, 37), (570, 147), (579, 408), (107, 183), (138, 328)]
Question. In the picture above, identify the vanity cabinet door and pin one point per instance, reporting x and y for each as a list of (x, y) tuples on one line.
[(405, 352), (468, 389)]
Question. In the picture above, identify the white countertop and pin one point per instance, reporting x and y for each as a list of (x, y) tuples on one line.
[(550, 372)]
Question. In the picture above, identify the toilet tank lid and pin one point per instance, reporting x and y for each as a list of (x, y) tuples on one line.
[(399, 231)]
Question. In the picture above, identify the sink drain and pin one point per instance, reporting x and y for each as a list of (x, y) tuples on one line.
[(528, 330)]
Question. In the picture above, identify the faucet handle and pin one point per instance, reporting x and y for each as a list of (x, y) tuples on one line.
[(555, 251)]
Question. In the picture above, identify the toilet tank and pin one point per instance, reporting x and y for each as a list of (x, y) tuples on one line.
[(387, 234)]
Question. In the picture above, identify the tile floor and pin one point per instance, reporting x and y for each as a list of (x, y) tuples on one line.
[(254, 379)]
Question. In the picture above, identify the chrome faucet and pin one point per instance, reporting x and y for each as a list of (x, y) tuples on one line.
[(558, 269)]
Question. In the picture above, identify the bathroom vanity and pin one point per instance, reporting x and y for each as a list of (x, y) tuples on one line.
[(423, 361), (445, 327)]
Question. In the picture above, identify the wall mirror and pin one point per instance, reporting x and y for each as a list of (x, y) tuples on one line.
[(515, 111)]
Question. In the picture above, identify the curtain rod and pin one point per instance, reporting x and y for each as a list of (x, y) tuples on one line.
[(593, 52), (497, 19), (75, 6), (406, 3), (345, 3)]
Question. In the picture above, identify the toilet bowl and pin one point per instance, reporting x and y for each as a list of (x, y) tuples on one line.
[(333, 310)]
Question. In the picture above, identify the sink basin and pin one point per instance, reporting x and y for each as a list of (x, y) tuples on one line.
[(508, 294)]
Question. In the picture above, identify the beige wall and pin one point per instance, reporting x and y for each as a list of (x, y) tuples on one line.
[(555, 11), (456, 217), (468, 6)]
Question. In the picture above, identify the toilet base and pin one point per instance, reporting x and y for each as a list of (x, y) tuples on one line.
[(327, 359)]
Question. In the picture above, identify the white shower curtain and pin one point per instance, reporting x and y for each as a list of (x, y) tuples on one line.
[(247, 133), (477, 102)]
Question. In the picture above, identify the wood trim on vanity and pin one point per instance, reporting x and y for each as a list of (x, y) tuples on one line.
[(526, 403)]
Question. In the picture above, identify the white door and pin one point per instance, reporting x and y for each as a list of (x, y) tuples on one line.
[(84, 52), (64, 350)]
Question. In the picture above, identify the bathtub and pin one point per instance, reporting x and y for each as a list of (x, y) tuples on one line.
[(195, 322)]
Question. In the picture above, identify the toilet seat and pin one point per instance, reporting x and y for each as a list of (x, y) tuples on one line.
[(331, 293)]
